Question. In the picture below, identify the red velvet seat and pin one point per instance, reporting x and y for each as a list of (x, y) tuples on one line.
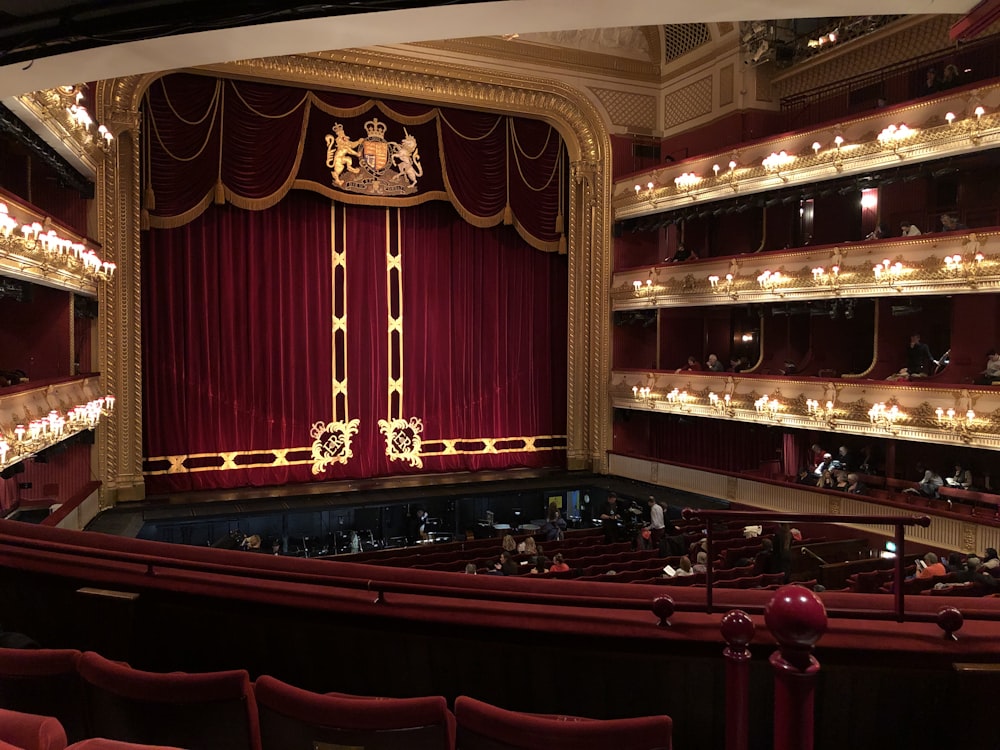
[(295, 719), (45, 682), (485, 727), (210, 711), (31, 731)]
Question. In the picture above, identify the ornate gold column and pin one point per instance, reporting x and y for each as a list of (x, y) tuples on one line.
[(119, 325)]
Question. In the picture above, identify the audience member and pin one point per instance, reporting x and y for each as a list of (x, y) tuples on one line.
[(554, 527), (962, 478), (738, 364), (764, 560), (919, 361), (657, 527), (783, 550), (701, 562), (693, 365), (990, 559), (558, 564), (681, 254), (855, 486), (612, 519), (527, 547), (825, 466), (845, 459), (950, 223), (928, 486), (878, 232), (509, 543), (684, 567), (712, 364), (909, 229), (950, 77), (931, 567), (470, 569), (539, 565), (507, 565), (992, 371), (932, 84)]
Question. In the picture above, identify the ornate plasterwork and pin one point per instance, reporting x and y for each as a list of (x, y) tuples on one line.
[(628, 109), (687, 103), (379, 74)]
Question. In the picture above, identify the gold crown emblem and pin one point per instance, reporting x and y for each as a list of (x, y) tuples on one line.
[(375, 128)]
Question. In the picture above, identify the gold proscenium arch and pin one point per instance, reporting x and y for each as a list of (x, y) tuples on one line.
[(376, 74)]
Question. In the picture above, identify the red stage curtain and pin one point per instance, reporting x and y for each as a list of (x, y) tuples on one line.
[(239, 358)]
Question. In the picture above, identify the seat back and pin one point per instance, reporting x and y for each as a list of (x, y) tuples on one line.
[(44, 681), (485, 727), (210, 711), (31, 731), (296, 719)]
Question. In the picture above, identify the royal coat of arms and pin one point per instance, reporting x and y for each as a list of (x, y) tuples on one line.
[(373, 165)]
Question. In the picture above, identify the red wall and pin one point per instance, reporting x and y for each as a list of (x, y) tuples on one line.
[(65, 473), (34, 335)]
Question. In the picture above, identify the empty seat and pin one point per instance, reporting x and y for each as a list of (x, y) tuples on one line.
[(485, 727), (296, 719), (44, 681), (31, 731), (210, 711)]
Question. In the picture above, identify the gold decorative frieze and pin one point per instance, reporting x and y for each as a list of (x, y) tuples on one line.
[(62, 112), (949, 125), (936, 264), (908, 411)]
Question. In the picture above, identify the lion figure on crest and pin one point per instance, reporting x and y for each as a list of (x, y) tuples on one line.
[(339, 150)]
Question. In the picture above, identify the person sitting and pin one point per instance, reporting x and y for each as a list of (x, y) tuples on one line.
[(840, 480), (509, 543), (950, 223), (992, 371), (681, 254), (962, 478), (825, 466), (878, 232), (527, 547), (470, 569), (559, 564), (507, 565), (932, 84), (928, 486), (909, 229), (712, 364), (826, 480), (990, 560), (931, 567), (693, 365), (684, 568), (855, 486), (701, 562), (539, 565), (950, 77), (764, 560)]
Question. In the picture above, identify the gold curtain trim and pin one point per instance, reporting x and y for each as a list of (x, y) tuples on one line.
[(369, 104), (208, 137), (552, 174), (368, 200), (172, 222), (236, 89), (469, 138), (208, 110), (517, 143)]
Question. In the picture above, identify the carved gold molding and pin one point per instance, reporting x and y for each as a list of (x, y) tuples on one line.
[(809, 274), (379, 74), (816, 155)]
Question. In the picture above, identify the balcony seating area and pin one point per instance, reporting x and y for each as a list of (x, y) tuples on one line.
[(133, 709)]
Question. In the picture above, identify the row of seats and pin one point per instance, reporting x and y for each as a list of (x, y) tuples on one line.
[(54, 697)]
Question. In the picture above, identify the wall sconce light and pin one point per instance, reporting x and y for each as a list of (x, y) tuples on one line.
[(687, 182), (722, 286), (722, 405), (958, 266), (769, 281), (893, 135), (885, 417), (961, 424), (643, 289), (643, 395), (768, 407), (821, 277), (776, 162), (820, 412), (889, 273), (950, 117)]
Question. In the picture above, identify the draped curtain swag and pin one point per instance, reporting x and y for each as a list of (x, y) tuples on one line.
[(213, 140)]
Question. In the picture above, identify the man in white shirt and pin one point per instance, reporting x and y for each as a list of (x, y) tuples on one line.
[(657, 528), (909, 229)]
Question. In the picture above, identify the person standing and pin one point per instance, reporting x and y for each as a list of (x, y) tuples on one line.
[(611, 519), (657, 527)]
